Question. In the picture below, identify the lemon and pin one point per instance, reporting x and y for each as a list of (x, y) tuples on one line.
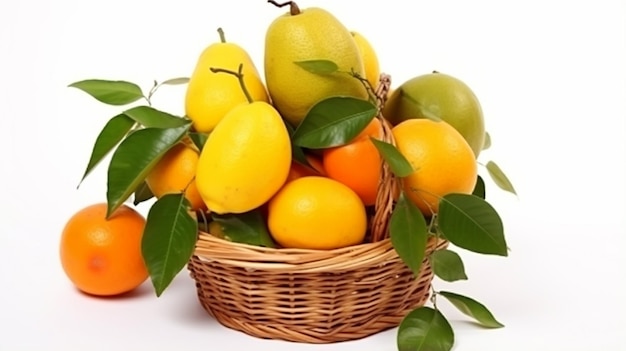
[(245, 160), (305, 35), (369, 57), (210, 95), (315, 212)]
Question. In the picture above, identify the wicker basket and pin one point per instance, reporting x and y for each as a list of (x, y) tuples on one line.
[(313, 296)]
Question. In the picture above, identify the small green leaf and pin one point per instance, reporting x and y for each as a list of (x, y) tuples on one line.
[(112, 92), (153, 118), (248, 228), (318, 66), (169, 239), (472, 308), (425, 329), (471, 223), (479, 188), (499, 177), (487, 142), (448, 265), (142, 193), (397, 162), (409, 233), (334, 121), (112, 133), (134, 158), (198, 139), (176, 81)]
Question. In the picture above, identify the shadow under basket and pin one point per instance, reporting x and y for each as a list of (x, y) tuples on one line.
[(310, 296)]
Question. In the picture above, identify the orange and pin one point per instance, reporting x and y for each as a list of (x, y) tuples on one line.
[(103, 257), (299, 170), (442, 160), (357, 164), (316, 212), (175, 172)]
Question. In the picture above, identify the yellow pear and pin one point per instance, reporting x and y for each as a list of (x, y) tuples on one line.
[(307, 35), (210, 95)]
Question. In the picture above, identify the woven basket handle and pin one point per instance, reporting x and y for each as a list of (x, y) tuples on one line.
[(389, 186)]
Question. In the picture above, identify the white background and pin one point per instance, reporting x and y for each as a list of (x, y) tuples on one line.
[(552, 82)]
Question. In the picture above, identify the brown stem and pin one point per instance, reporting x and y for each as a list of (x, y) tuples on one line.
[(293, 7), (221, 33)]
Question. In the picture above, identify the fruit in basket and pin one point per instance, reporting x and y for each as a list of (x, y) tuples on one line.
[(442, 159), (316, 213), (305, 35), (210, 95), (369, 57), (175, 172), (298, 170), (245, 160), (441, 95), (103, 257), (357, 164)]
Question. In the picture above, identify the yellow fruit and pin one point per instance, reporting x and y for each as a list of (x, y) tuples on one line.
[(441, 95), (316, 212), (175, 172), (309, 34), (245, 160), (103, 256), (443, 162), (369, 57), (210, 95)]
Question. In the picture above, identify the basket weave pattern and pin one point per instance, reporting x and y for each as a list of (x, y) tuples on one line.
[(307, 295), (314, 296)]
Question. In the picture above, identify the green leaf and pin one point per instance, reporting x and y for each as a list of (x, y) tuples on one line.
[(487, 142), (169, 239), (471, 223), (134, 158), (318, 66), (397, 162), (153, 118), (448, 265), (248, 228), (142, 193), (499, 177), (112, 92), (425, 329), (176, 81), (472, 308), (479, 188), (198, 139), (409, 233), (112, 133), (334, 121)]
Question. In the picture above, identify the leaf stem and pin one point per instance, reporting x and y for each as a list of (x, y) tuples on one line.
[(239, 75)]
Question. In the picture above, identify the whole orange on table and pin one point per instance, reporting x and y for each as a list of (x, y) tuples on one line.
[(103, 256)]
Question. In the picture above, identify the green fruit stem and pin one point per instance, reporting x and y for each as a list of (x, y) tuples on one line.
[(293, 7), (220, 31), (239, 75)]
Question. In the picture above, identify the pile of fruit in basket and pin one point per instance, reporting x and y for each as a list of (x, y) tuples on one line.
[(292, 158)]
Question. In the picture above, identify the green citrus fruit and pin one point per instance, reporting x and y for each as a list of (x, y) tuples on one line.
[(443, 96)]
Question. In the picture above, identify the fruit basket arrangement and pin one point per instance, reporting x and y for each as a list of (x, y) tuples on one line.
[(315, 205)]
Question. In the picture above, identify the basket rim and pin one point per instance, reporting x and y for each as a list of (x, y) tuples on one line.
[(211, 248)]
